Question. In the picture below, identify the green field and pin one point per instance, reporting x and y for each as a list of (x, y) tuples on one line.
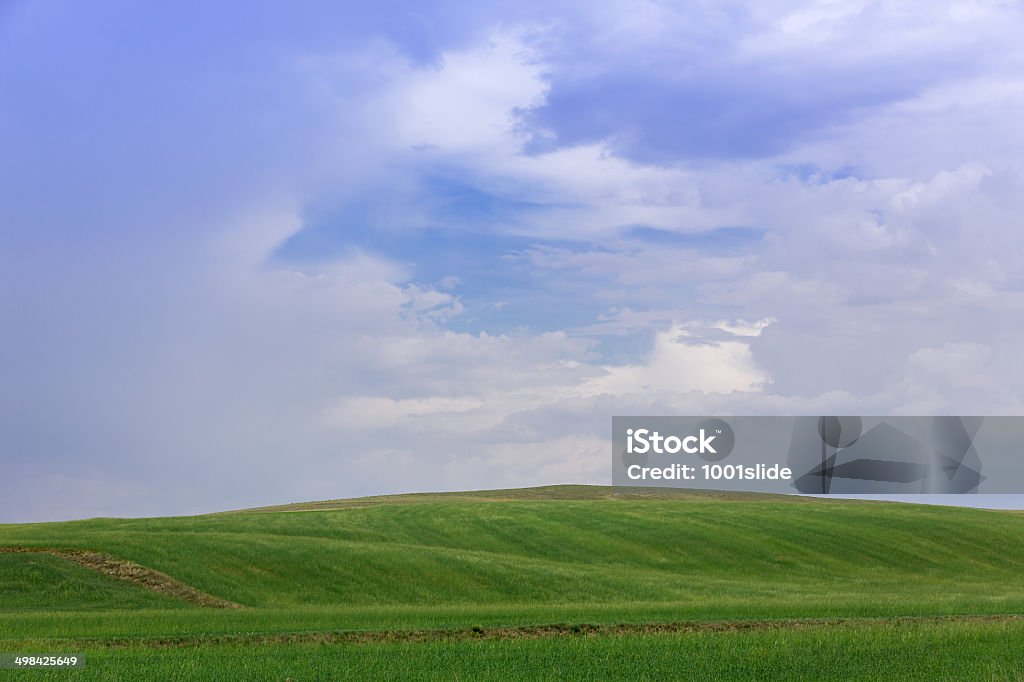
[(564, 582)]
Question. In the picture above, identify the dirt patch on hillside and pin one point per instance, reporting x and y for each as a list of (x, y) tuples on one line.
[(132, 572)]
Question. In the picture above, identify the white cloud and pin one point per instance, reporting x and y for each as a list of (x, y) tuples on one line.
[(367, 412), (467, 102), (681, 365)]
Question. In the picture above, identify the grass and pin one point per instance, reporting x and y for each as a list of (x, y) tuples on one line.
[(567, 555)]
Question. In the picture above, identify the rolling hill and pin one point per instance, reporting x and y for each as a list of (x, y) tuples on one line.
[(473, 562)]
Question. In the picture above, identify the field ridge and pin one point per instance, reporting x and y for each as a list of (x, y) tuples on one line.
[(556, 492), (129, 571), (537, 631)]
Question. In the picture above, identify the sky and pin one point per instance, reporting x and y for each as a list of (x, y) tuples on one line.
[(261, 252)]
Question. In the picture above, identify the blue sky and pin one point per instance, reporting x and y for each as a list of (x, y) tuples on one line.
[(253, 253)]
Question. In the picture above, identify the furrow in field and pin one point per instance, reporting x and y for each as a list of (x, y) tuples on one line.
[(525, 632)]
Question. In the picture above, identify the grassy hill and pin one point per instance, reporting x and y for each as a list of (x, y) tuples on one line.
[(572, 554)]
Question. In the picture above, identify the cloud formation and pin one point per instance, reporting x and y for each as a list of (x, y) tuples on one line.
[(339, 251)]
